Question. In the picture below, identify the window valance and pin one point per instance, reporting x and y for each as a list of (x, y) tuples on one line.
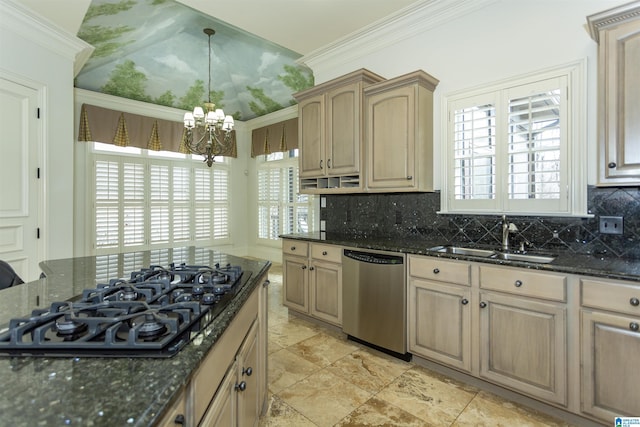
[(98, 124), (281, 136)]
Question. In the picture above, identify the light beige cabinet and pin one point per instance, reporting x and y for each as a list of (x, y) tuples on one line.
[(330, 133), (617, 32), (523, 324), (312, 275), (610, 330), (229, 388), (399, 133), (439, 311)]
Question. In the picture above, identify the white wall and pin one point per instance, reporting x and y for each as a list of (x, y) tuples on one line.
[(501, 39), (40, 53)]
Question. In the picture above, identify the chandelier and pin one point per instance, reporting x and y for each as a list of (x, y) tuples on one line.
[(208, 130)]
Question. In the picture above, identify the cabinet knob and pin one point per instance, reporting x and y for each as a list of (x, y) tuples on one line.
[(634, 301), (311, 268), (612, 165), (247, 371), (483, 304), (179, 419), (634, 326), (242, 386), (266, 283), (324, 253), (464, 301), (436, 270), (518, 283), (304, 267), (409, 177), (293, 248)]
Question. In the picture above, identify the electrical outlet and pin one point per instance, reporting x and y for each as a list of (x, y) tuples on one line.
[(611, 224)]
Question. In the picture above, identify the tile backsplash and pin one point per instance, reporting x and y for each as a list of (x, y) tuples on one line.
[(414, 215)]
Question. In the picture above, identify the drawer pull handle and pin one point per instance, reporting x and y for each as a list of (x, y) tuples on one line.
[(242, 386), (328, 163), (247, 371), (436, 270), (464, 301), (634, 302), (324, 253), (483, 304), (634, 326), (320, 164), (293, 248), (179, 419), (518, 283)]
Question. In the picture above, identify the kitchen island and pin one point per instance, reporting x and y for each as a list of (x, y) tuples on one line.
[(109, 391)]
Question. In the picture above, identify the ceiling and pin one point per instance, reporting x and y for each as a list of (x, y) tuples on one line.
[(156, 51)]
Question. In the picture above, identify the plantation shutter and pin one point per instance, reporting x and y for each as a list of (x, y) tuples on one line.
[(220, 204), (203, 217), (159, 203), (181, 209), (133, 204), (107, 210)]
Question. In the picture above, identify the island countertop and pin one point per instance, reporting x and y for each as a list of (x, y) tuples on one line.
[(101, 391)]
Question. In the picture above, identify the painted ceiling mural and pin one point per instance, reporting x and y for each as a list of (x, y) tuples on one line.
[(156, 51)]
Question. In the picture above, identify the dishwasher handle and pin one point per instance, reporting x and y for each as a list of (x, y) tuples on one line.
[(373, 258)]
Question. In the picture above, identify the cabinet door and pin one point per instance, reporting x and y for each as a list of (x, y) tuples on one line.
[(619, 112), (523, 345), (294, 274), (222, 411), (440, 323), (311, 136), (247, 382), (390, 127), (610, 374), (343, 130), (326, 291), (177, 414)]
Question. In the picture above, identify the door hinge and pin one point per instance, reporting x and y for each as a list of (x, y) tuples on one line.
[(38, 112), (38, 233)]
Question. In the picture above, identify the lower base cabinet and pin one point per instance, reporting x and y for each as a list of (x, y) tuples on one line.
[(234, 396)]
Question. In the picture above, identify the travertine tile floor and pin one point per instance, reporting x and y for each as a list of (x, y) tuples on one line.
[(318, 378)]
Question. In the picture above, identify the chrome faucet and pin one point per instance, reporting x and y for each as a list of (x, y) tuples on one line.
[(507, 227)]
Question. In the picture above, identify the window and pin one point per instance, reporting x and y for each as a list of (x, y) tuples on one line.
[(517, 147), (281, 208), (142, 202)]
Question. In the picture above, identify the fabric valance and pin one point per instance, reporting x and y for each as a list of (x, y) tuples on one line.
[(281, 136), (98, 124)]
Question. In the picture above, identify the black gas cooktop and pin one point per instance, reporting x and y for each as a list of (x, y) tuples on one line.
[(154, 313)]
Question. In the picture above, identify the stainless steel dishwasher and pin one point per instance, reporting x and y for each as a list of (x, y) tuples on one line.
[(374, 300)]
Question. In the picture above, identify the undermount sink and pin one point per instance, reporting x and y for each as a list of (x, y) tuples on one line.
[(487, 253), (540, 259), (463, 251)]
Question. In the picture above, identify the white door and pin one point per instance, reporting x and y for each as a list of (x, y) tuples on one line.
[(20, 190)]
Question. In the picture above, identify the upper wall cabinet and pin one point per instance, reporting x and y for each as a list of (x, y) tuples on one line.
[(617, 32), (330, 134), (399, 133)]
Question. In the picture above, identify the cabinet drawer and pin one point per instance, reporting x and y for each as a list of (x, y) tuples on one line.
[(618, 297), (457, 272), (524, 282), (295, 247), (326, 253)]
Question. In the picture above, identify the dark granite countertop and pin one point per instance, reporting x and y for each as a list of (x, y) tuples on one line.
[(92, 391), (566, 262)]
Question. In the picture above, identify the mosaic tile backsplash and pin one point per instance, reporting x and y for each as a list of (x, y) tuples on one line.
[(413, 215)]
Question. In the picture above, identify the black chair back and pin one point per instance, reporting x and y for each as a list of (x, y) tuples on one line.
[(8, 276)]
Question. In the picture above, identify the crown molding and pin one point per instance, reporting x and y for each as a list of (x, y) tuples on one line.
[(612, 17), (413, 19), (27, 24)]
